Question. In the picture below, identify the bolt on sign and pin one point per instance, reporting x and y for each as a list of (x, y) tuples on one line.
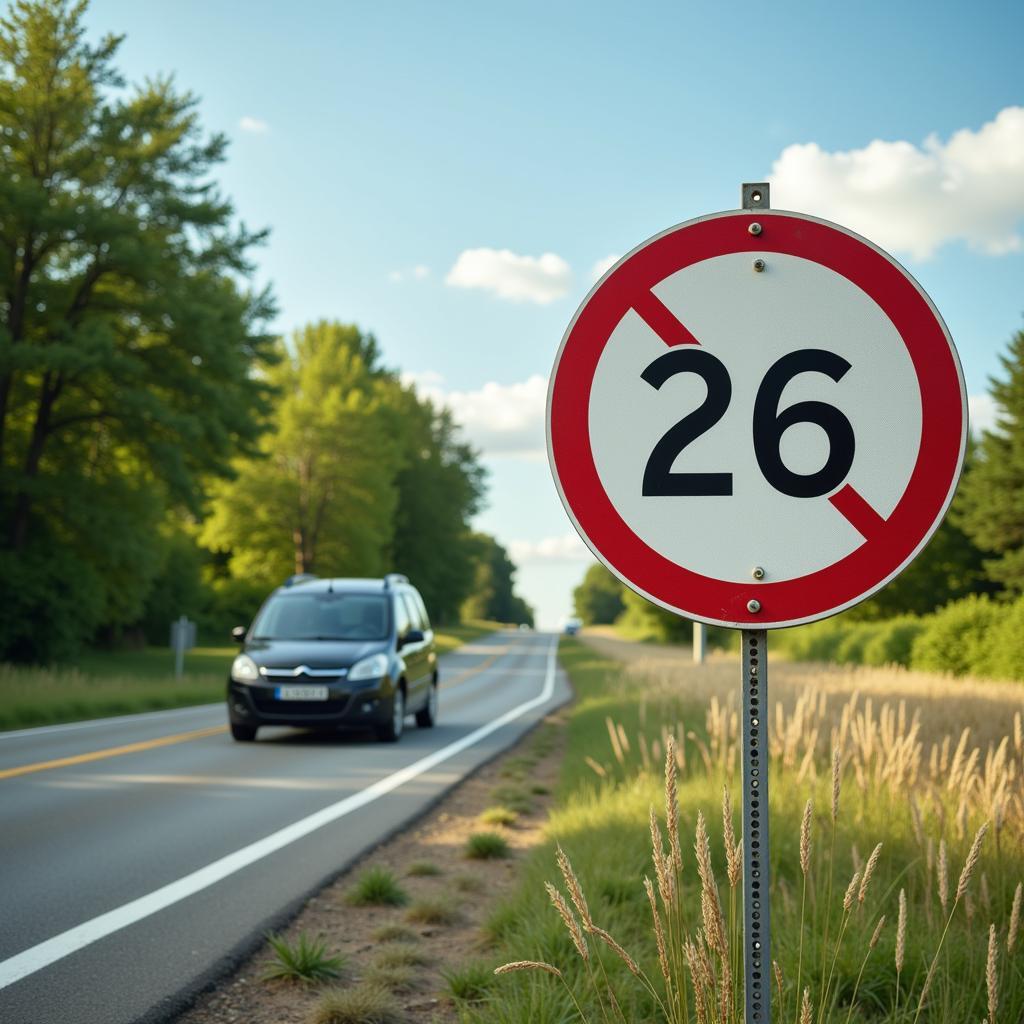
[(756, 419)]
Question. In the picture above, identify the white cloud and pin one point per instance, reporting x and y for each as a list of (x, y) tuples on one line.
[(254, 125), (914, 199), (982, 410), (601, 267), (540, 279), (498, 419), (566, 548)]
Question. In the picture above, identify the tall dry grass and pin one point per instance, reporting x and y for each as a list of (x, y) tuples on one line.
[(924, 773)]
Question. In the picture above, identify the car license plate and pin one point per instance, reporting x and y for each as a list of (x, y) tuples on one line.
[(300, 692)]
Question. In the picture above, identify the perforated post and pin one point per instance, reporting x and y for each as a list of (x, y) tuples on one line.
[(757, 957)]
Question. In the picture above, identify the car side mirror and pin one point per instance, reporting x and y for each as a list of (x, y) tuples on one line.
[(238, 634), (414, 636)]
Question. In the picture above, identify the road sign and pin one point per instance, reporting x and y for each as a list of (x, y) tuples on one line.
[(756, 419)]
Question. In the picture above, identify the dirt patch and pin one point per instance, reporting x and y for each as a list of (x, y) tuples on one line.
[(522, 779)]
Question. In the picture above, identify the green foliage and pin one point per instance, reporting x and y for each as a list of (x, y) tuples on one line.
[(486, 846), (423, 869), (493, 596), (377, 886), (305, 960), (470, 983), (127, 345), (598, 599), (956, 639), (893, 641), (499, 815), (991, 508)]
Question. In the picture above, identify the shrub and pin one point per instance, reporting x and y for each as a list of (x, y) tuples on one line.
[(892, 642), (305, 960), (363, 1004), (486, 846), (956, 639), (1003, 641), (499, 815), (377, 887), (423, 869), (395, 933), (471, 983), (433, 912)]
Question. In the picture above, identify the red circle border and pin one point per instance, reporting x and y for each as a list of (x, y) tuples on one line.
[(835, 587)]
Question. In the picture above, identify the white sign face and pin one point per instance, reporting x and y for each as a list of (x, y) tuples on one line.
[(756, 429)]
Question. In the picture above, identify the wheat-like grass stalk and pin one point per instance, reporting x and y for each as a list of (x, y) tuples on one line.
[(991, 979), (851, 892), (869, 870), (528, 965), (1011, 934), (805, 1007), (609, 941), (570, 922), (672, 807), (734, 864), (971, 863), (901, 932), (837, 760), (572, 883), (943, 877), (665, 878), (805, 838), (659, 937)]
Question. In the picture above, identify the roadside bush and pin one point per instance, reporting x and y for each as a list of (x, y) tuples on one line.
[(818, 641), (1003, 640), (892, 641), (854, 640), (957, 638)]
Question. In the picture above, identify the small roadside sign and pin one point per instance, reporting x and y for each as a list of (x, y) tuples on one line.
[(756, 419)]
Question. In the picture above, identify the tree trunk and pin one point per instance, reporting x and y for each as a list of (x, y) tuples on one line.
[(22, 516)]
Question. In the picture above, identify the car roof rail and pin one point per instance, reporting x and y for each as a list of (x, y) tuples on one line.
[(394, 577), (299, 577)]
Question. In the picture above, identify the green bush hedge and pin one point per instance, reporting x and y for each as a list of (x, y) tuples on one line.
[(973, 636)]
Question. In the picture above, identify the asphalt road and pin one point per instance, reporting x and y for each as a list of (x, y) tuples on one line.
[(140, 856)]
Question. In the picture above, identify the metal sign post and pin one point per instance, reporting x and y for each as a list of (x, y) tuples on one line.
[(757, 940), (700, 635), (183, 638)]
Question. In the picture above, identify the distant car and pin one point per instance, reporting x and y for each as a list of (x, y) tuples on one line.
[(335, 653), (573, 626)]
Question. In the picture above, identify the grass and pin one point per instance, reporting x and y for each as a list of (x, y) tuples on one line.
[(362, 1004), (422, 869), (394, 933), (400, 954), (306, 960), (499, 815), (468, 883), (395, 979), (433, 911), (514, 797), (486, 846), (376, 887), (471, 983), (107, 683), (901, 784)]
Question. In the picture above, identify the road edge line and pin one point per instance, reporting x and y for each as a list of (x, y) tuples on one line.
[(37, 957)]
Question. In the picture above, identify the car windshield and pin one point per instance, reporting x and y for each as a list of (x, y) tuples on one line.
[(323, 616)]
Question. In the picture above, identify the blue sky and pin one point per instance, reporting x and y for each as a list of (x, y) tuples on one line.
[(416, 162)]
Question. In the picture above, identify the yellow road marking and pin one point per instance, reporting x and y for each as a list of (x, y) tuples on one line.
[(469, 673), (99, 755)]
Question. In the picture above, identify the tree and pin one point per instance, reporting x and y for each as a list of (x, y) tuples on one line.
[(127, 343), (320, 495), (598, 599), (493, 596), (991, 501), (440, 486)]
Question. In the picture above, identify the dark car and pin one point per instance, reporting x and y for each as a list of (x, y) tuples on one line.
[(333, 653)]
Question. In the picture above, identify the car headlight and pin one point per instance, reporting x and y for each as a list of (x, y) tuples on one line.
[(244, 670), (373, 667)]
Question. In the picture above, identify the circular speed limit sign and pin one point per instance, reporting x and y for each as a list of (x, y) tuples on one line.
[(756, 419)]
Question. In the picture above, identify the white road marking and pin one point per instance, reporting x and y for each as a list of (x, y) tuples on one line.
[(51, 950), (115, 720)]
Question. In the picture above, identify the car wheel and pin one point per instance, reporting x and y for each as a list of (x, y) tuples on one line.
[(243, 733), (427, 717), (392, 732)]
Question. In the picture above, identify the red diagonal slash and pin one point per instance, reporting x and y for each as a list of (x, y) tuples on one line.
[(862, 517), (662, 320)]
